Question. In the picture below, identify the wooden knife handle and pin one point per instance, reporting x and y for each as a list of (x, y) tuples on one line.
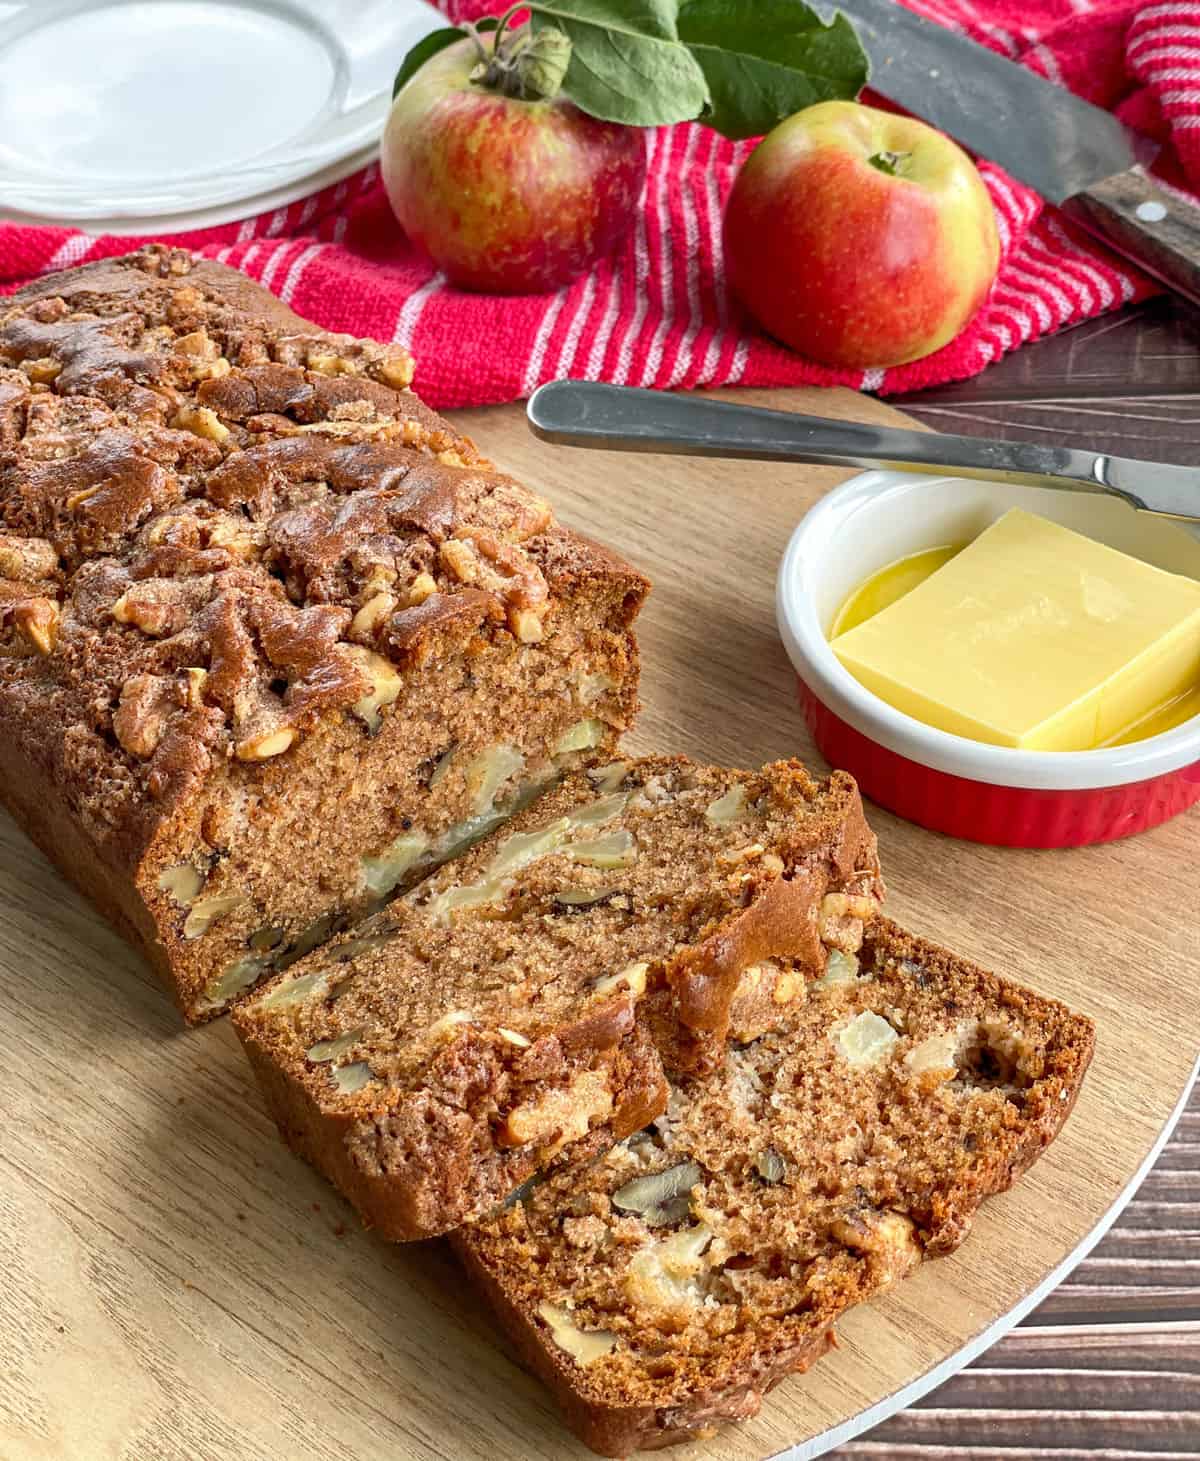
[(1157, 230)]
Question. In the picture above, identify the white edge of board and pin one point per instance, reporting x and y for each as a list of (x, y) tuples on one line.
[(901, 1399)]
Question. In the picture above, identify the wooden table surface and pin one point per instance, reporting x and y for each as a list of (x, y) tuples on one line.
[(174, 1286), (1109, 1365)]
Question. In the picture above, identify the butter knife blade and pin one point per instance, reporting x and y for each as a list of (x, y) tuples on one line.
[(623, 418)]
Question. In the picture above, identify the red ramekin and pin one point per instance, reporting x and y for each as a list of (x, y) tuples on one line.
[(984, 793)]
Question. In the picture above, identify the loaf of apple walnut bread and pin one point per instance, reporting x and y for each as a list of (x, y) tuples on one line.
[(516, 1010), (274, 638), (666, 1287)]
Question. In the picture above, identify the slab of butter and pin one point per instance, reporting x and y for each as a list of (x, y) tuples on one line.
[(1033, 636)]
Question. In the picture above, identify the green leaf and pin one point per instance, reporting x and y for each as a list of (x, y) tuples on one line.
[(766, 60), (434, 42), (423, 51), (627, 64), (639, 17)]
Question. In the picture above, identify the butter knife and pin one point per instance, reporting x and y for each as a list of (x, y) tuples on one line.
[(621, 418), (1079, 157)]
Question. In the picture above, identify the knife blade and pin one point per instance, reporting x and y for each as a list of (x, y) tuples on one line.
[(622, 418), (1076, 155)]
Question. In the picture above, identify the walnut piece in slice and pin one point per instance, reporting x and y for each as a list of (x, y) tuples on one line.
[(26, 560), (386, 871), (843, 916), (201, 421), (240, 976), (207, 911), (38, 620), (351, 1078), (559, 1116), (582, 736), (728, 808), (841, 971), (632, 977), (145, 705), (661, 1198), (770, 1166), (937, 1056), (330, 1050), (888, 1238), (266, 744), (182, 882), (669, 1273), (373, 615)]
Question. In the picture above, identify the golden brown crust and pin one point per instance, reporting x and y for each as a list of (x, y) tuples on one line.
[(220, 527), (621, 1430), (124, 283), (138, 470), (948, 1222)]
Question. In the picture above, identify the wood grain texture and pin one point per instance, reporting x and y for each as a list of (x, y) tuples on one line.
[(1118, 1333), (163, 1256), (1059, 1392), (1127, 383), (1146, 351)]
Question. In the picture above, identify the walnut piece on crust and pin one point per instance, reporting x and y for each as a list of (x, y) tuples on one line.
[(128, 389)]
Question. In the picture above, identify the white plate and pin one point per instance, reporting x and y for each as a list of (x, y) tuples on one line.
[(136, 110), (190, 221)]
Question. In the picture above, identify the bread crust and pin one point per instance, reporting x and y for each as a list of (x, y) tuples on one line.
[(444, 1181), (230, 540), (97, 285), (621, 1430)]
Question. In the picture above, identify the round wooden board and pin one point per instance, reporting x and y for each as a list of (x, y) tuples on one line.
[(174, 1284)]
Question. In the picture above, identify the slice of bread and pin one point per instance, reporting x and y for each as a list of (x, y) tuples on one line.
[(517, 1008), (668, 1285)]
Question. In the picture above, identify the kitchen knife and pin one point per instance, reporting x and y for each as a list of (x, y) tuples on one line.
[(1078, 157), (620, 418)]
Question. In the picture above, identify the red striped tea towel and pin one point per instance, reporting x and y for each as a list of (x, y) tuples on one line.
[(657, 313)]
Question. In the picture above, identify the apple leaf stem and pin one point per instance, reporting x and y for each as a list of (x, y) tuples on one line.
[(738, 67), (481, 50)]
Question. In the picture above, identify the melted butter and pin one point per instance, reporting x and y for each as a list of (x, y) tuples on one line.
[(897, 580), (883, 588), (1162, 718)]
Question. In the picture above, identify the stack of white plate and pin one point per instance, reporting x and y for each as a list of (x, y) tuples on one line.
[(135, 116)]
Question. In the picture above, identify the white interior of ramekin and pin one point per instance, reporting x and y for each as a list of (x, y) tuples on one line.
[(878, 517)]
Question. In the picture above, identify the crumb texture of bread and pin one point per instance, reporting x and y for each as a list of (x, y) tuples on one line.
[(274, 637), (666, 1286), (519, 1008)]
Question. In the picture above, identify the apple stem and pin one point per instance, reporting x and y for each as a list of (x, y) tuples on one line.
[(522, 63), (891, 163), (507, 18)]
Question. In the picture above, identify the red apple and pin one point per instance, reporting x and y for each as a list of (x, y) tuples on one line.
[(505, 195), (860, 238)]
